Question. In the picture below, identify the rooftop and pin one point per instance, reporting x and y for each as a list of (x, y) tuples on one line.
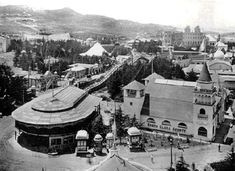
[(69, 104), (154, 76), (205, 75), (115, 163), (171, 99), (134, 85), (96, 50)]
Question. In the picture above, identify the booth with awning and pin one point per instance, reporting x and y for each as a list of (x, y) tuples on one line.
[(82, 138), (134, 139)]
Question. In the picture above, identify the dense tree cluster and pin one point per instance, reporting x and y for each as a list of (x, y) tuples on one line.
[(163, 67), (130, 72), (12, 90), (148, 47), (120, 50), (226, 165), (31, 55), (120, 78)]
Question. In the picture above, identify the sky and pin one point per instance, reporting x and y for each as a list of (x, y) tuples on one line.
[(209, 14)]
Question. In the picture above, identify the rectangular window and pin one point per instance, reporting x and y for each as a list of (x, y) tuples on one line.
[(131, 93), (56, 141)]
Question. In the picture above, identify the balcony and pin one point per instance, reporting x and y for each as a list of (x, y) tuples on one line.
[(198, 90), (202, 117)]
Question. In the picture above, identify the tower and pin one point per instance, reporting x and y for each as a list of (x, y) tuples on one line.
[(204, 118), (133, 95)]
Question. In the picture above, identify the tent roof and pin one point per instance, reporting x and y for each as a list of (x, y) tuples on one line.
[(95, 50)]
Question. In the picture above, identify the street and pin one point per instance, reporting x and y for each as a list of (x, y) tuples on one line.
[(14, 157)]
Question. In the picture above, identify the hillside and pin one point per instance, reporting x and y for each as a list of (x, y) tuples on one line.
[(18, 19)]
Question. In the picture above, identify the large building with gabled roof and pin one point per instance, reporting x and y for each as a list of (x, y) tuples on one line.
[(188, 108)]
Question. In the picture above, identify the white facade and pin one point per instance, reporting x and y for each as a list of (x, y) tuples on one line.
[(133, 102), (180, 107)]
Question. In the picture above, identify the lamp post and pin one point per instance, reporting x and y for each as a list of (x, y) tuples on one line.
[(170, 139)]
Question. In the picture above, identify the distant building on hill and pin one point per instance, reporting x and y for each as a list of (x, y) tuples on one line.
[(185, 39), (192, 39), (4, 44)]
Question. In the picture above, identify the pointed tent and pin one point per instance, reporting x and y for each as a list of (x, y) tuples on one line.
[(95, 50), (205, 75)]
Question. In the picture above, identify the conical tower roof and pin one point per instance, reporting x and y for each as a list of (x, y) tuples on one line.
[(205, 75)]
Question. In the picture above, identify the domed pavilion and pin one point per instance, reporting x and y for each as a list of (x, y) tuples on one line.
[(52, 120)]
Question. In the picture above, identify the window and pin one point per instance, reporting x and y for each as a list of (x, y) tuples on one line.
[(141, 93), (68, 140), (166, 122), (202, 131), (81, 143), (182, 125), (56, 141), (131, 93), (151, 120), (202, 111)]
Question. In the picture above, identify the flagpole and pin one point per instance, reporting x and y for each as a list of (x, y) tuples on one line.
[(115, 127)]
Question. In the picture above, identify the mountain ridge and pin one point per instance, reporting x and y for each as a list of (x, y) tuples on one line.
[(25, 19)]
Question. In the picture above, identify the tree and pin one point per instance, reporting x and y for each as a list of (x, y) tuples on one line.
[(97, 127), (120, 123), (12, 90), (177, 72), (228, 164), (191, 76), (113, 84)]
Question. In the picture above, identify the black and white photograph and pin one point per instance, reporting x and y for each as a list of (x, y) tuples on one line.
[(127, 85)]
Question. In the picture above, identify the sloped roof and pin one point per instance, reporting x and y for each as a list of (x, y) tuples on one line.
[(171, 99), (154, 76), (116, 163), (134, 85), (82, 134), (219, 54), (133, 131), (220, 44), (205, 75), (67, 105), (219, 65), (95, 50), (48, 74), (109, 135)]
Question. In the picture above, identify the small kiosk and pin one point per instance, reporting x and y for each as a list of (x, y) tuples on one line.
[(82, 138), (109, 140), (98, 144), (134, 139)]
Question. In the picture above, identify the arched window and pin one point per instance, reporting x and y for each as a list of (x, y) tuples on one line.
[(166, 122), (151, 120), (202, 111), (202, 131), (182, 125)]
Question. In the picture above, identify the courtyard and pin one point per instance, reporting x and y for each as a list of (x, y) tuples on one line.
[(15, 157)]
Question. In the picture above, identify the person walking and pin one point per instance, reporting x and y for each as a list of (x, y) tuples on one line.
[(219, 148), (151, 156)]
